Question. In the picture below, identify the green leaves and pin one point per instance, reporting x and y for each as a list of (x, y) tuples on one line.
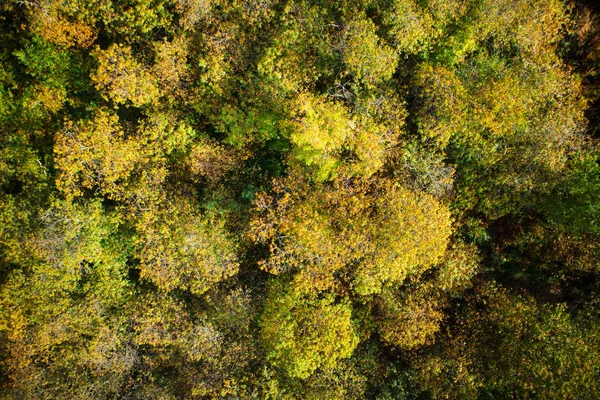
[(44, 61), (574, 206)]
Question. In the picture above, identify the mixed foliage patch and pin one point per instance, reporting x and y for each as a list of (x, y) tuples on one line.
[(299, 199)]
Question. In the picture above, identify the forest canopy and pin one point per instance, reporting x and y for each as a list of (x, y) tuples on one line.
[(299, 199)]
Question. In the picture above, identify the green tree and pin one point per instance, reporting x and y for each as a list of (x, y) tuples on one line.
[(506, 345)]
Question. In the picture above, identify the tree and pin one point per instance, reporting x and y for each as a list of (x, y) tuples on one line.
[(58, 314), (366, 57), (179, 248), (303, 332), (372, 232), (64, 23), (507, 128), (94, 155), (123, 79), (506, 345), (320, 134), (409, 320), (573, 205), (298, 199)]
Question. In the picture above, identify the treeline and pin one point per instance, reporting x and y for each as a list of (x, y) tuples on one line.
[(206, 199)]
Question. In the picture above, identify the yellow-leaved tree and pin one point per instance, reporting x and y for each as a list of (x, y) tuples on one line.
[(122, 79), (180, 248), (306, 331), (363, 233)]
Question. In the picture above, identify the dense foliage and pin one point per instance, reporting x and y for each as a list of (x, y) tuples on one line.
[(210, 199)]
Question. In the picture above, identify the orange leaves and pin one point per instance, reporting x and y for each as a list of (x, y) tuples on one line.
[(61, 31), (63, 23)]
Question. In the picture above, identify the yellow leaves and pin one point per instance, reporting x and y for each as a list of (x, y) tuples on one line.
[(72, 235), (16, 237), (366, 57), (327, 138), (284, 64), (295, 227), (412, 27), (370, 146), (170, 67), (107, 354), (192, 11), (306, 332), (461, 27), (61, 31), (444, 103), (374, 231), (47, 97), (161, 321), (212, 161), (509, 343), (62, 23), (61, 329), (162, 134), (135, 18), (320, 132), (511, 125), (533, 26), (325, 124), (179, 248), (409, 321), (410, 234), (95, 155), (121, 78), (457, 268), (13, 319), (214, 69)]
